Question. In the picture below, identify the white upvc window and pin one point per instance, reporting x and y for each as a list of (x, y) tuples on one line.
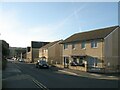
[(94, 44), (83, 44), (65, 46), (73, 46)]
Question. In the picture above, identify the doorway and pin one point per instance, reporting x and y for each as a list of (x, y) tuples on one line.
[(66, 62)]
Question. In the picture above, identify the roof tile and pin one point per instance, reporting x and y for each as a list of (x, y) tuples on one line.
[(89, 35)]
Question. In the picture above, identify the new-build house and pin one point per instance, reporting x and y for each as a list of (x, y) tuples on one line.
[(33, 51), (96, 48), (52, 52)]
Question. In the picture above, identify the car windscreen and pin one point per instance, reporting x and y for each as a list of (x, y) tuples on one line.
[(43, 62)]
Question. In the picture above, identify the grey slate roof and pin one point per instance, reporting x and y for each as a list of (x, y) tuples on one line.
[(89, 35)]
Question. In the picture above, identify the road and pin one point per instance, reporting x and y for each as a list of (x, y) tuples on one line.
[(23, 75)]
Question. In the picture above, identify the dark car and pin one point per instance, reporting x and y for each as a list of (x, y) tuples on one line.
[(41, 64)]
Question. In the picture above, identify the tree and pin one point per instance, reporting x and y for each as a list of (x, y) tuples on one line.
[(18, 51)]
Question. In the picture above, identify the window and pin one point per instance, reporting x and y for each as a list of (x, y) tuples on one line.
[(93, 43), (73, 46), (65, 46), (83, 44), (45, 50)]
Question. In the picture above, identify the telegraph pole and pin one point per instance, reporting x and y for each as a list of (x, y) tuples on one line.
[(21, 56)]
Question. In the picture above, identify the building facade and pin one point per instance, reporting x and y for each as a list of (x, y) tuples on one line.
[(33, 53), (4, 50), (96, 49), (112, 51), (4, 53), (52, 52)]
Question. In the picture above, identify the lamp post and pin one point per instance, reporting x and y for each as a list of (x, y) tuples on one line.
[(21, 56)]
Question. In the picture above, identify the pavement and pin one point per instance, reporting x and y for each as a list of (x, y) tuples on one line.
[(90, 75), (106, 76)]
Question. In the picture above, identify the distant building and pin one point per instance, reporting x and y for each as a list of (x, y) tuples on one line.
[(33, 51), (52, 52), (28, 55), (4, 48), (4, 53)]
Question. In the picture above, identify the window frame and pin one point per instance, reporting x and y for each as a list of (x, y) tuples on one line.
[(83, 42), (73, 45), (65, 46), (94, 44)]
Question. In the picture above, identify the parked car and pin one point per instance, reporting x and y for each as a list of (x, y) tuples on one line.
[(41, 64)]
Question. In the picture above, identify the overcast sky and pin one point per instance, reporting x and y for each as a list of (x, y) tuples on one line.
[(23, 22)]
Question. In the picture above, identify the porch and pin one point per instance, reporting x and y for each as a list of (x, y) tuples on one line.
[(76, 62)]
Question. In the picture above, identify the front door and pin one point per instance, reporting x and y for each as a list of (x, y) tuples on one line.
[(66, 62)]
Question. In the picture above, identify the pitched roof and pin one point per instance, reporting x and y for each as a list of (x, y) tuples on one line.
[(89, 35), (50, 44)]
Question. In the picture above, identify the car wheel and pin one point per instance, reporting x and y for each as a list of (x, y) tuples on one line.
[(39, 67)]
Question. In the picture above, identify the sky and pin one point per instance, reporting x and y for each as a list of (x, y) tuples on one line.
[(23, 22)]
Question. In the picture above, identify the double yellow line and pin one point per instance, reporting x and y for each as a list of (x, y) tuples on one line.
[(39, 85)]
